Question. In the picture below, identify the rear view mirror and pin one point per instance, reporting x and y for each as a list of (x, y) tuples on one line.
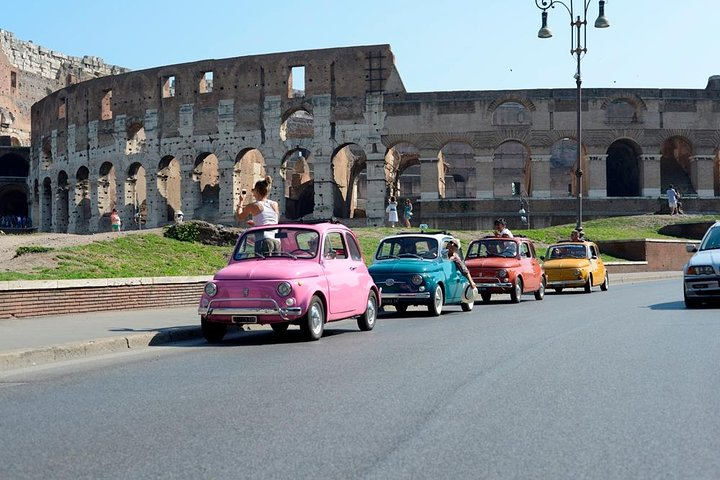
[(691, 247)]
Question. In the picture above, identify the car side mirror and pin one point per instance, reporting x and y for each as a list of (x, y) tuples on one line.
[(691, 247), (542, 257)]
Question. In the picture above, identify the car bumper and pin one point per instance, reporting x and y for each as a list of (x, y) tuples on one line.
[(406, 296), (566, 283), (706, 287), (493, 286), (248, 307)]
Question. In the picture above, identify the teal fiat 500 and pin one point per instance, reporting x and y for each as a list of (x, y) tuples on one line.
[(414, 269)]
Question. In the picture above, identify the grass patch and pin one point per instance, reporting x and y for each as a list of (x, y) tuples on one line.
[(32, 249), (152, 255)]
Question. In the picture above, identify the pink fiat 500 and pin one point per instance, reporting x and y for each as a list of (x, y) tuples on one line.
[(301, 274)]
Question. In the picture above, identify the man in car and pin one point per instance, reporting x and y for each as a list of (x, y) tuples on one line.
[(452, 248)]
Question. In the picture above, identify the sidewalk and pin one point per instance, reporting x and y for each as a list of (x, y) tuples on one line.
[(34, 341)]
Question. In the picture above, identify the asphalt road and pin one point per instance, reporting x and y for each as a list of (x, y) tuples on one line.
[(621, 384)]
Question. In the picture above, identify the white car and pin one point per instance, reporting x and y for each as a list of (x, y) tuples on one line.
[(701, 275)]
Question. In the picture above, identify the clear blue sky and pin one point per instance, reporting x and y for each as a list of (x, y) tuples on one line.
[(438, 46)]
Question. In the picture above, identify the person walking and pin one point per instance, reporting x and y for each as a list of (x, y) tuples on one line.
[(407, 212), (672, 198), (392, 211), (115, 222)]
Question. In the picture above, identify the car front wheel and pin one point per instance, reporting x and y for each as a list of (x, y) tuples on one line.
[(691, 302), (588, 285), (366, 321), (279, 328), (485, 296), (517, 291), (213, 332), (436, 302), (606, 283), (313, 324)]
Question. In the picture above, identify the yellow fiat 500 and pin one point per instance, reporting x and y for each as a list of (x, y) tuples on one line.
[(575, 265)]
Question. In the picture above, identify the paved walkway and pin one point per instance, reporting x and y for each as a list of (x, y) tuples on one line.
[(40, 340)]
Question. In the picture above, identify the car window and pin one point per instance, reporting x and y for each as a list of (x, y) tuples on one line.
[(566, 251), (491, 248), (407, 247), (712, 240), (278, 242), (353, 247), (524, 250), (593, 252), (335, 246)]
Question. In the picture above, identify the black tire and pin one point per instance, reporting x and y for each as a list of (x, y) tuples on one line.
[(401, 307), (366, 321), (313, 323), (436, 302), (517, 291), (540, 292), (691, 302), (558, 289), (213, 332), (588, 285), (279, 328), (606, 283), (485, 296)]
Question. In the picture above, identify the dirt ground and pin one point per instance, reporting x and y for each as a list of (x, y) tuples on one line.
[(26, 263)]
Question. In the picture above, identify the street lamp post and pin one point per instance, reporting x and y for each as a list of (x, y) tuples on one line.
[(578, 47)]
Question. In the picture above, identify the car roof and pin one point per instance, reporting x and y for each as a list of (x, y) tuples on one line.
[(440, 236), (319, 226), (570, 242)]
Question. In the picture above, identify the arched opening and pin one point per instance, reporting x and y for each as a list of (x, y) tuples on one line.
[(63, 202), (82, 211), (14, 195), (716, 172), (107, 194), (13, 166), (206, 176), (46, 153), (349, 173), (169, 185), (299, 184), (46, 209), (249, 168), (402, 171), (621, 111), (458, 159), (511, 113), (297, 125), (622, 169), (136, 140), (563, 158), (135, 211), (675, 165), (511, 165)]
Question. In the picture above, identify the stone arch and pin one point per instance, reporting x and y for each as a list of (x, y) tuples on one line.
[(349, 164), (511, 112), (169, 185), (46, 197), (402, 170), (82, 212), (623, 110), (511, 164), (716, 172), (676, 154), (106, 193), (63, 202), (136, 141), (296, 124), (135, 208), (206, 178), (458, 159), (249, 168), (46, 153), (299, 183), (622, 169), (563, 158)]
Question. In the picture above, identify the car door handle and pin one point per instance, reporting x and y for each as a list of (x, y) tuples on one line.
[(353, 268)]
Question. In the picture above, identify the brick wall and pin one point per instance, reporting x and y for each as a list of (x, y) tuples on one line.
[(37, 298), (647, 255)]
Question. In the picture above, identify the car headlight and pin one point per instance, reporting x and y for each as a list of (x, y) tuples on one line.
[(502, 273), (284, 289), (210, 289), (577, 272), (700, 270), (416, 280)]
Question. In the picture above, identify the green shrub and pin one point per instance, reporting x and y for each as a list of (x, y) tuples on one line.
[(32, 249), (185, 232)]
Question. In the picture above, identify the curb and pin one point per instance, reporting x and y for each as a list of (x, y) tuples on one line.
[(23, 358)]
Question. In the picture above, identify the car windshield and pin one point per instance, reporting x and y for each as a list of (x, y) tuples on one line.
[(492, 248), (566, 251), (407, 247), (290, 243), (712, 241)]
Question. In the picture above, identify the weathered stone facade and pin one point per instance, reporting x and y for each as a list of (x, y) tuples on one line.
[(338, 133)]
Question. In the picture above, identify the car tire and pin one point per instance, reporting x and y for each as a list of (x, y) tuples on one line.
[(485, 296), (436, 302), (540, 292), (213, 332), (691, 302), (366, 321), (279, 328), (313, 322), (588, 285), (606, 283), (401, 307), (468, 306), (517, 291), (558, 289)]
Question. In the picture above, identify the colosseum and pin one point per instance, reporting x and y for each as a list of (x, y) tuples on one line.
[(339, 134)]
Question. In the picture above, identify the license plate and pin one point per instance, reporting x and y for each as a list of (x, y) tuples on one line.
[(244, 319)]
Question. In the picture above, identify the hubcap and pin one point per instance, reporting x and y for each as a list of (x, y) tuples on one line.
[(315, 319), (371, 311), (438, 298)]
